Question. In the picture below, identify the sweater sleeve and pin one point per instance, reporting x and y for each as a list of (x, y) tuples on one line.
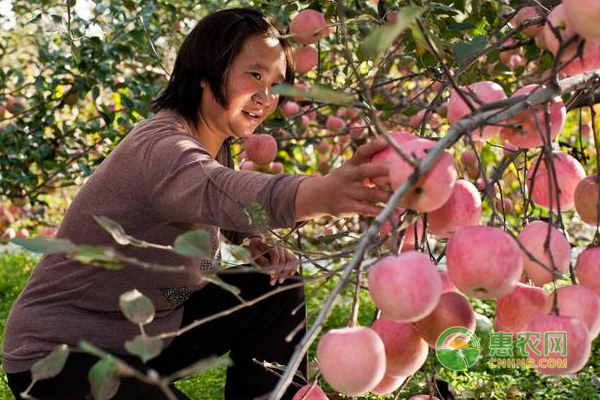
[(185, 184)]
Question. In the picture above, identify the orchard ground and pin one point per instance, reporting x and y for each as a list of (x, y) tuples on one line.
[(479, 382)]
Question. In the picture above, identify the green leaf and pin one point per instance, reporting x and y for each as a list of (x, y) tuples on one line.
[(382, 38), (332, 238), (35, 19), (145, 347), (257, 216), (45, 245), (113, 227), (204, 365), (239, 252), (460, 26), (463, 51), (316, 92), (97, 255), (51, 365), (53, 23), (103, 378), (194, 244), (129, 4), (136, 307)]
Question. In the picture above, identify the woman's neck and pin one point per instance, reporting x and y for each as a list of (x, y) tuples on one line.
[(211, 141)]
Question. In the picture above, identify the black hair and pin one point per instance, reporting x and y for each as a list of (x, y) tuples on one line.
[(208, 52)]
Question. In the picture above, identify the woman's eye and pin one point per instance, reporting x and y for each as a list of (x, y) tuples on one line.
[(255, 75)]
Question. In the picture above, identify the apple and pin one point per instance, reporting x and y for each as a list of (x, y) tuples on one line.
[(388, 385), (308, 26), (588, 268), (352, 360), (526, 13), (533, 239), (305, 58), (406, 287), (484, 262), (335, 124), (526, 131), (453, 309), (432, 189), (569, 173), (290, 109), (463, 208), (310, 392), (261, 149), (577, 342), (586, 199), (515, 309), (576, 301), (405, 349), (582, 17), (478, 93)]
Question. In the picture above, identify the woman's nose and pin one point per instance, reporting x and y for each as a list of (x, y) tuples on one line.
[(264, 96)]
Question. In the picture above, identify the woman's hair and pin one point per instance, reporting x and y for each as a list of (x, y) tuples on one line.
[(207, 54)]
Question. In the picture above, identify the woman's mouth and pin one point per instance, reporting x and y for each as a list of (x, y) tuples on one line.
[(255, 116)]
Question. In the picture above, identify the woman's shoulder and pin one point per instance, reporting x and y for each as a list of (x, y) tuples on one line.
[(162, 123), (166, 131)]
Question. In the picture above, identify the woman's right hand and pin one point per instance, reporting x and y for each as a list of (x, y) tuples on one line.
[(343, 192)]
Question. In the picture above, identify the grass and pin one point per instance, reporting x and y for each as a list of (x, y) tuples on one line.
[(480, 382)]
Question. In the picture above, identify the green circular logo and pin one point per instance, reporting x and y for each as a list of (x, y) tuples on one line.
[(457, 348)]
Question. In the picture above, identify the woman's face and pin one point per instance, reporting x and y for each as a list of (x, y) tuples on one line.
[(258, 67)]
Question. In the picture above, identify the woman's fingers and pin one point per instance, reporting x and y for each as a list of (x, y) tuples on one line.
[(372, 170), (371, 195), (291, 261), (365, 151), (274, 255), (262, 261)]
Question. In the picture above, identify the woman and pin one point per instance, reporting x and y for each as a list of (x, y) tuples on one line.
[(171, 174)]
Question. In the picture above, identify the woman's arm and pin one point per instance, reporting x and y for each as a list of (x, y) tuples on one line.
[(343, 192)]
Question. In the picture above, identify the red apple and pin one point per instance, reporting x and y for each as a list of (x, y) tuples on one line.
[(569, 173), (310, 392), (405, 349), (434, 188), (515, 310), (478, 93), (453, 309), (578, 343), (308, 26), (405, 287), (583, 16), (261, 149), (586, 199), (484, 262), (577, 301), (306, 58), (352, 360), (588, 268), (526, 132), (533, 238), (463, 208)]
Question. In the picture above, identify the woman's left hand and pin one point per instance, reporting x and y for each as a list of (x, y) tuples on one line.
[(282, 263)]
